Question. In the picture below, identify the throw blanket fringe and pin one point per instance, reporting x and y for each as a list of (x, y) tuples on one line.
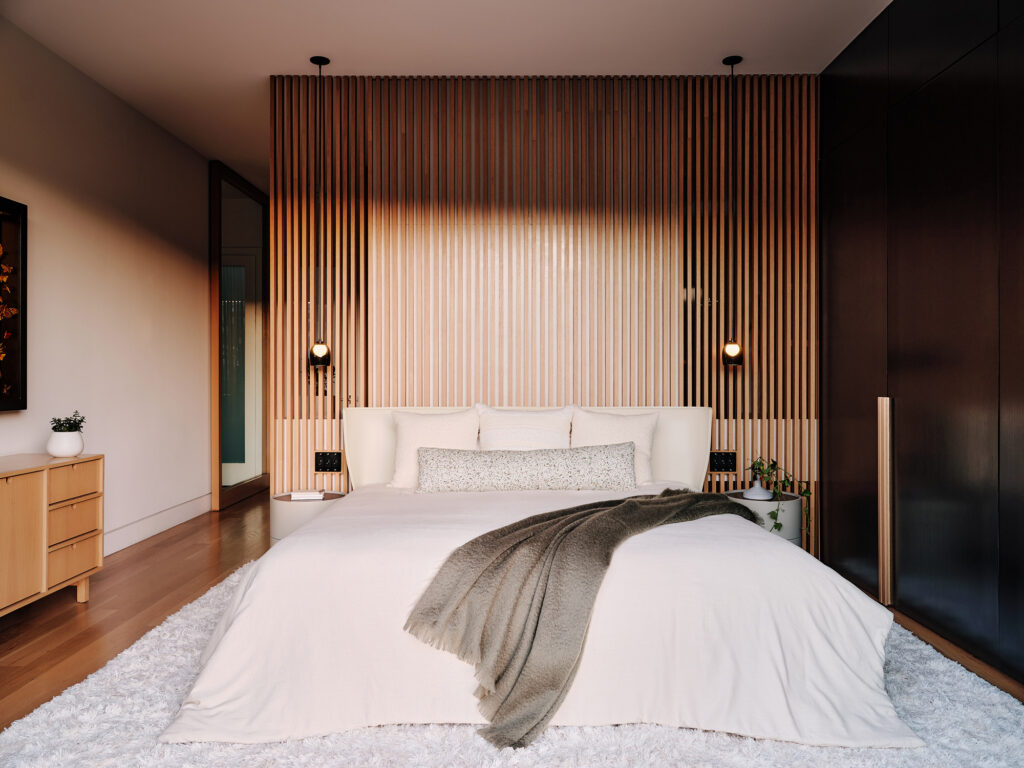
[(516, 602)]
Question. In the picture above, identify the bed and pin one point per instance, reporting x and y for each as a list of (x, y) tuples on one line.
[(713, 624)]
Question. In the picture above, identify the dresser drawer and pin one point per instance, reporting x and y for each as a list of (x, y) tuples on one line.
[(66, 562), (73, 480), (74, 519)]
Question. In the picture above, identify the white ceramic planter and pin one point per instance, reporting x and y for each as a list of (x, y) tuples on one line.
[(63, 445), (757, 491)]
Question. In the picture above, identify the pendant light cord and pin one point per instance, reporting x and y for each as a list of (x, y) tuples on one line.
[(318, 212), (733, 224)]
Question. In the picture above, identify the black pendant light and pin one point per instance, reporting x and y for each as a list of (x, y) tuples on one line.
[(319, 351), (732, 352)]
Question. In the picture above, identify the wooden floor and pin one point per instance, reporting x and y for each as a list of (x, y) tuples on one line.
[(55, 642)]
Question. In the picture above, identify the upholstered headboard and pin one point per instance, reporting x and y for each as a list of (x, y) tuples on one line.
[(682, 443)]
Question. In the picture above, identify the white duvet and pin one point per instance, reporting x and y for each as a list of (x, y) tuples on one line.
[(713, 624)]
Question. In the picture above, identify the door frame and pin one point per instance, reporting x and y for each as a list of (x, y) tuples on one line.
[(223, 497)]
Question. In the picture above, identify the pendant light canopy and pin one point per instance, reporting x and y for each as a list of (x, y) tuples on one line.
[(319, 352), (732, 352)]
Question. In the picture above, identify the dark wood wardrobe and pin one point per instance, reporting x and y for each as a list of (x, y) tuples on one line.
[(922, 206)]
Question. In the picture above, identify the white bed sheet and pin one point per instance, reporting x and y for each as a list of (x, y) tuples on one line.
[(713, 624)]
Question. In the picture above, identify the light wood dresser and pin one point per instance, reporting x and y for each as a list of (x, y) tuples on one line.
[(51, 526)]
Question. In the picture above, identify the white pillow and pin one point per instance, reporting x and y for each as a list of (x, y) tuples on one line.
[(435, 430), (593, 428), (511, 430), (598, 467)]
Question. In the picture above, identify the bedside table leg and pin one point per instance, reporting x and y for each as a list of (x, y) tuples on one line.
[(82, 590)]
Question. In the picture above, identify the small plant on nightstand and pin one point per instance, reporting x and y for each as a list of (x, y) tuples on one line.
[(66, 437), (774, 477)]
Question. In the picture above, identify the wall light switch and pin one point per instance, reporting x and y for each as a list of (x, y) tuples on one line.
[(722, 461), (327, 461)]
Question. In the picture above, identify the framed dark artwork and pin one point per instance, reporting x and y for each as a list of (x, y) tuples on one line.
[(13, 338)]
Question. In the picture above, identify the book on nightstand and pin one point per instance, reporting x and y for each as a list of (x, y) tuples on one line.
[(307, 495)]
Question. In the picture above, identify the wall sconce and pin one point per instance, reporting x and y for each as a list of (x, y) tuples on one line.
[(732, 353), (319, 355)]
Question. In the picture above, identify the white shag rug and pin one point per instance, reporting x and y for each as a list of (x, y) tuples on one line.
[(114, 717)]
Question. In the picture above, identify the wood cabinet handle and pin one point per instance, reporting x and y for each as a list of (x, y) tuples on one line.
[(885, 509)]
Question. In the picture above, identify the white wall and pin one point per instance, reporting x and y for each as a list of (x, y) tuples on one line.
[(118, 303)]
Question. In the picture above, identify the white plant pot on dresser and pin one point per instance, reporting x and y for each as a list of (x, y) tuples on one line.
[(286, 515), (789, 515), (64, 445)]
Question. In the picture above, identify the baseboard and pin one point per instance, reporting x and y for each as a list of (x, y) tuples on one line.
[(134, 532), (953, 651)]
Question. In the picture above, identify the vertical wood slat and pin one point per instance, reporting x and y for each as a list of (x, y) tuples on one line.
[(540, 241)]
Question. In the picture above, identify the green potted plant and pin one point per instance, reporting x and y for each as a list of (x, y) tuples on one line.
[(66, 438), (773, 479)]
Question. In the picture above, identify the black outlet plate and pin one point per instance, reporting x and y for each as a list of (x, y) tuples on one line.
[(722, 461), (327, 461)]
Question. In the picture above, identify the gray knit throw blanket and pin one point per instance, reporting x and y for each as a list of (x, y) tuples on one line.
[(516, 602)]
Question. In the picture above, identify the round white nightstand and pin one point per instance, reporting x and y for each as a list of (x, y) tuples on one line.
[(789, 515), (287, 515)]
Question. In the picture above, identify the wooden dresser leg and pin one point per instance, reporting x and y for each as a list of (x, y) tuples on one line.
[(82, 590)]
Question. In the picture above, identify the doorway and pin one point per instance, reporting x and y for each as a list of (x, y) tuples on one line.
[(238, 336)]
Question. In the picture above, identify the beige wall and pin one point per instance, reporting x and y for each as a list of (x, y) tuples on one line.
[(118, 315)]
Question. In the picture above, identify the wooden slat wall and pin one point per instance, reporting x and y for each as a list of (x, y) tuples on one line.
[(542, 241), (306, 403)]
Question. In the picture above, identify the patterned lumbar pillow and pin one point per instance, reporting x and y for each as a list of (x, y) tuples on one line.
[(597, 467)]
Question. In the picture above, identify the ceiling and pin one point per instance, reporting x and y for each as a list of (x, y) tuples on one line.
[(199, 68)]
